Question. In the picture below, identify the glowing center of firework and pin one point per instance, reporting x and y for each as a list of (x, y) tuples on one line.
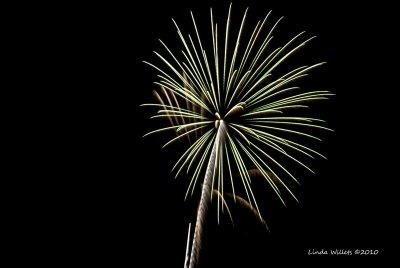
[(218, 120)]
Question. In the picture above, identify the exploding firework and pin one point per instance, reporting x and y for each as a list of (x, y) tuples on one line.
[(238, 111)]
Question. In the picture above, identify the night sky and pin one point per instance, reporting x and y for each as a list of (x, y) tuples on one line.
[(119, 203)]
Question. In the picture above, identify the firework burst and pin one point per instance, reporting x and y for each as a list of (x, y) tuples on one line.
[(237, 110)]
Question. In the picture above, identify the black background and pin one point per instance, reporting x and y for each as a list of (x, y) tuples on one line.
[(109, 196)]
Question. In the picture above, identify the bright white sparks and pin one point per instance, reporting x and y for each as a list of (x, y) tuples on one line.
[(238, 83)]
